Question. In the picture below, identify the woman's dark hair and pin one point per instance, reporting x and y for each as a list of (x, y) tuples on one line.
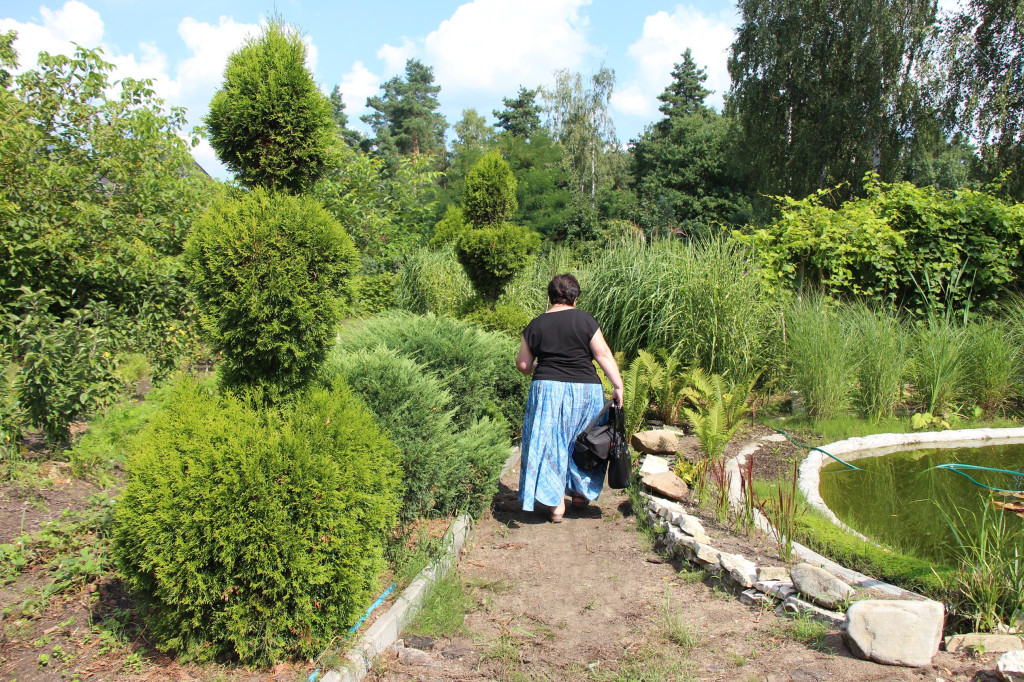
[(563, 289)]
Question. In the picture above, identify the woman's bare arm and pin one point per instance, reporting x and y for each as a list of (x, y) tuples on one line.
[(603, 355), (524, 360)]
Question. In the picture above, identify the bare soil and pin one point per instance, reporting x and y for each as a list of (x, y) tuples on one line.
[(590, 599)]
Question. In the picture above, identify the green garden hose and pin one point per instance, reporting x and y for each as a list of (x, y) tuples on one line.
[(811, 447), (955, 467)]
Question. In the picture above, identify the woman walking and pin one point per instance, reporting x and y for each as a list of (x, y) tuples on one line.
[(558, 348)]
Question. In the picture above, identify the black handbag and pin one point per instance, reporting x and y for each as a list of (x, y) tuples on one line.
[(620, 467), (594, 444)]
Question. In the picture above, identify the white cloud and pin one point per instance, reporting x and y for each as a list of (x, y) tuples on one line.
[(210, 47), (395, 56), (496, 45), (75, 22), (356, 85), (663, 40)]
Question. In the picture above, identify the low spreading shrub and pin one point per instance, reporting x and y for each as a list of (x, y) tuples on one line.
[(256, 533), (476, 367), (271, 275), (432, 282), (504, 317), (445, 472)]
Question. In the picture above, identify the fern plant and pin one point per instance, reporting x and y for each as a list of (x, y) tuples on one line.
[(716, 409)]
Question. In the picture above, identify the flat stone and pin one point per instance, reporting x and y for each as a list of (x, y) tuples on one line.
[(752, 597), (794, 605), (654, 465), (1010, 666), (692, 526), (895, 632), (984, 643), (418, 642), (741, 571), (457, 651), (407, 656), (667, 485), (772, 573), (765, 586), (808, 675), (656, 442), (773, 438), (820, 586), (706, 555), (782, 591)]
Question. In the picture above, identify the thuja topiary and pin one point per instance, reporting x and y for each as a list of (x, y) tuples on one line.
[(271, 274), (493, 256), (256, 533)]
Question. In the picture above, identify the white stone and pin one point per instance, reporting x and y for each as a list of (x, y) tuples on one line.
[(408, 656), (754, 598), (895, 632), (772, 573), (782, 591), (654, 465), (656, 442), (794, 604), (773, 438), (692, 526), (820, 586), (742, 571), (705, 555), (1011, 666)]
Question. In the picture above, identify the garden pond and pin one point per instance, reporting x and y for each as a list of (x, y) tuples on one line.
[(902, 500)]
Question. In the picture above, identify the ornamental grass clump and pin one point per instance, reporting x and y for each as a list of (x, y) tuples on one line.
[(820, 355), (252, 533), (882, 347), (992, 365), (938, 368)]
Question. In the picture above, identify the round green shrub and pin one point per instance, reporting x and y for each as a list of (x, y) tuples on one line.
[(445, 472), (492, 256), (449, 228), (504, 317), (490, 194), (253, 533), (432, 282), (271, 274), (269, 123)]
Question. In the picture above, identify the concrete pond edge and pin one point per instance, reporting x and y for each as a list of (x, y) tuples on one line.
[(386, 630)]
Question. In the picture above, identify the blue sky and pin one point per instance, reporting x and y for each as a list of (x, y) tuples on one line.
[(481, 50)]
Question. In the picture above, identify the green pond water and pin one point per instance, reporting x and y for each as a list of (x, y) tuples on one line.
[(899, 502)]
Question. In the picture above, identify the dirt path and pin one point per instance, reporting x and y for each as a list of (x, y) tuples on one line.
[(589, 600)]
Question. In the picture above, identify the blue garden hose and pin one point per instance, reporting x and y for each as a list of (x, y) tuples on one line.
[(380, 600), (811, 447), (956, 467)]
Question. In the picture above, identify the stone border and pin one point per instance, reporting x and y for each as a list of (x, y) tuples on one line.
[(887, 443), (386, 630)]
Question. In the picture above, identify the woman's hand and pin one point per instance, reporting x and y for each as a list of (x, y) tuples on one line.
[(617, 397)]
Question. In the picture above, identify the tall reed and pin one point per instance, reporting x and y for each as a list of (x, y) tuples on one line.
[(707, 303), (992, 364), (882, 347), (820, 354), (938, 368)]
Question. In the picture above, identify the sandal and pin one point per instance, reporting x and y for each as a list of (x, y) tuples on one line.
[(579, 500)]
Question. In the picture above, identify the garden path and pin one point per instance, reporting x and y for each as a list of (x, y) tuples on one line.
[(588, 599)]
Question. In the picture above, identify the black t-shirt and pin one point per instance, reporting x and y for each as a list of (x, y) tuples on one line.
[(561, 343)]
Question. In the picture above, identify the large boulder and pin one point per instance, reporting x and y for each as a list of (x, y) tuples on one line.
[(820, 586), (657, 442), (1011, 666), (667, 485), (894, 632)]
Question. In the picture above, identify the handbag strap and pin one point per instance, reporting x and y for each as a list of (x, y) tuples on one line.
[(600, 414)]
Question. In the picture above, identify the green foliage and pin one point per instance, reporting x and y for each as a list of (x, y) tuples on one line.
[(444, 610), (882, 346), (271, 275), (636, 385), (820, 355), (97, 193), (433, 282), (504, 316), (521, 115), (388, 211), (445, 472), (924, 248), (490, 195), (476, 367), (269, 123), (705, 302), (492, 256), (542, 184), (405, 119), (66, 365), (992, 365), (256, 534), (938, 368), (717, 411), (449, 228)]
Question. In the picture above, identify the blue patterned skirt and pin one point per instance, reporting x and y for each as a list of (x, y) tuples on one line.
[(556, 412)]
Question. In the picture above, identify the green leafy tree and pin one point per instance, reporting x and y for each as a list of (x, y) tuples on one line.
[(490, 196), (353, 138), (449, 228), (825, 92), (269, 123), (985, 79), (473, 138), (272, 276), (405, 119), (8, 57), (682, 164), (521, 115)]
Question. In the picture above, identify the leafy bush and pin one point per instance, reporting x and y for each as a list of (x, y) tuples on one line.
[(490, 195), (445, 471), (476, 367), (269, 123), (432, 282), (375, 293), (492, 256), (256, 534), (449, 228), (271, 275)]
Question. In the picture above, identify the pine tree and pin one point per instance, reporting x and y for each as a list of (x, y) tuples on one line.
[(405, 119), (352, 138), (521, 116)]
